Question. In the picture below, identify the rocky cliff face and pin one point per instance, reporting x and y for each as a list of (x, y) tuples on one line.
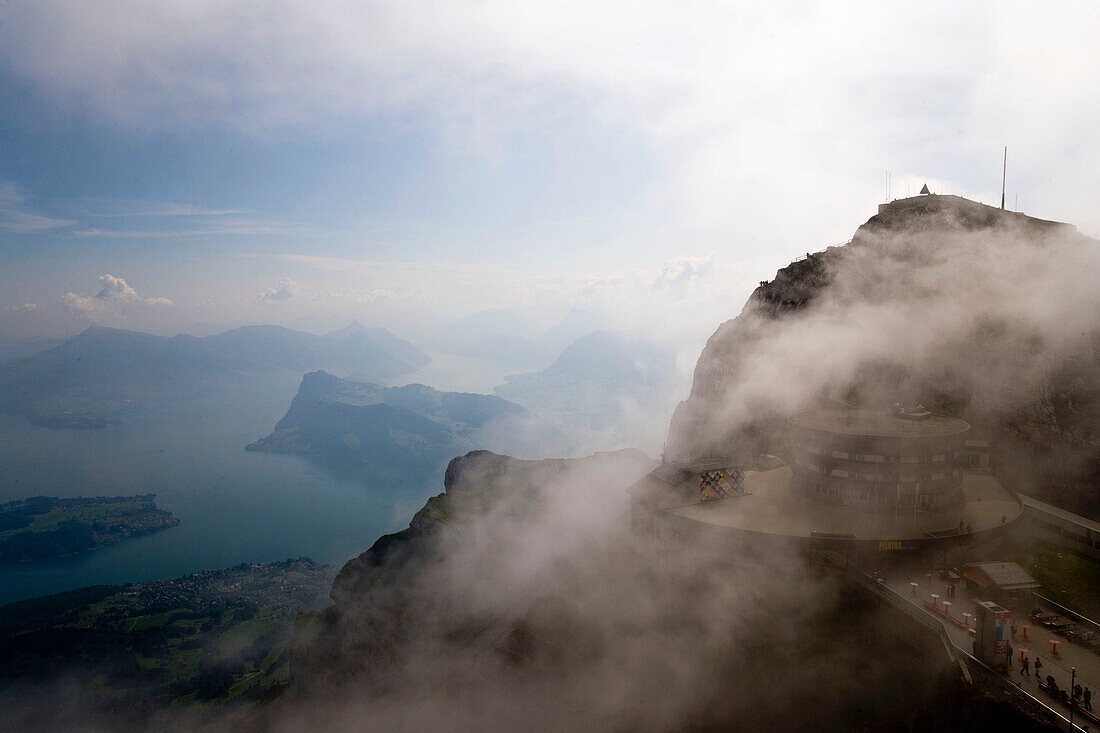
[(465, 572), (978, 313)]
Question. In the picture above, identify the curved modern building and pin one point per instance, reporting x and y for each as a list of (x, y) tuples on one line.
[(878, 459), (859, 480)]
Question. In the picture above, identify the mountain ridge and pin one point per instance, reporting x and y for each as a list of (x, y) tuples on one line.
[(101, 374)]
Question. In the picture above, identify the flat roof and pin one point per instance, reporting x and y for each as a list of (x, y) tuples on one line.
[(771, 505), (1005, 575), (876, 423)]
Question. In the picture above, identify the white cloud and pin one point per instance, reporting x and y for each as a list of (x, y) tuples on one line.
[(139, 208), (22, 222), (777, 119), (681, 273), (115, 297), (287, 289), (14, 216), (22, 308), (200, 225), (10, 194), (358, 297)]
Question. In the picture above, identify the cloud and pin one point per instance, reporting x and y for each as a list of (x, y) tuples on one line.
[(10, 194), (115, 297), (21, 222), (219, 225), (15, 218), (23, 308), (137, 208), (129, 233), (358, 297), (765, 122), (287, 289), (681, 273), (968, 314)]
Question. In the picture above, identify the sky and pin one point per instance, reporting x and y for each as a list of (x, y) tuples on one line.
[(193, 164)]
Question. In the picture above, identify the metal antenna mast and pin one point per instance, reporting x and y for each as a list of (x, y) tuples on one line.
[(1004, 170)]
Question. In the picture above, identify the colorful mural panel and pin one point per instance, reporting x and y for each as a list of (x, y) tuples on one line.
[(721, 484)]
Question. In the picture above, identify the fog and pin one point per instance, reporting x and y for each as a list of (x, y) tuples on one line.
[(972, 321), (543, 611), (541, 608)]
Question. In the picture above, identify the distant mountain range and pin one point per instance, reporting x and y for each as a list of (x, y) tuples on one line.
[(511, 338), (350, 425), (100, 375)]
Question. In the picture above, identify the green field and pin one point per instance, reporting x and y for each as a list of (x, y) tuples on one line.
[(1067, 577)]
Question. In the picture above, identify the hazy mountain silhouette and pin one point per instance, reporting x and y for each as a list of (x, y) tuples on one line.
[(512, 338), (97, 376), (595, 378)]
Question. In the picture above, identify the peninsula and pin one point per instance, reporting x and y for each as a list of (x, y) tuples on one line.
[(46, 527)]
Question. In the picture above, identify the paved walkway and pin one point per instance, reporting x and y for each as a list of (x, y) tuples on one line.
[(1038, 641)]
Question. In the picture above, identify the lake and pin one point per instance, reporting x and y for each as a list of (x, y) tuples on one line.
[(233, 506)]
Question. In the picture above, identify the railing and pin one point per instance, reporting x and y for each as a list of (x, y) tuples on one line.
[(808, 255)]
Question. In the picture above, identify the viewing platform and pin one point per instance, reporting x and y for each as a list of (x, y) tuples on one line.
[(770, 505)]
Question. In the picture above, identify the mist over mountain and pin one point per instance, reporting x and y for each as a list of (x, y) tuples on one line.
[(100, 375), (975, 312), (351, 425), (521, 594), (519, 598), (512, 338), (610, 384)]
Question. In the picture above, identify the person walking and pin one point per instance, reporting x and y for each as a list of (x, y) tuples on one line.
[(1088, 699), (1038, 667), (1025, 667)]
